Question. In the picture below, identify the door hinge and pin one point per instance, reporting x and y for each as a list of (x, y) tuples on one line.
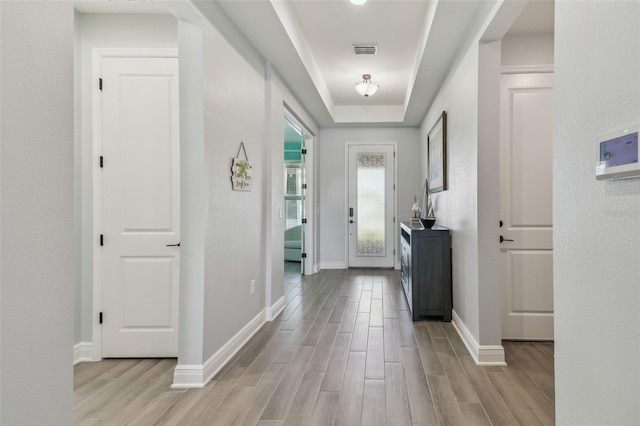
[(100, 318), (101, 239), (304, 151), (304, 220), (394, 219), (394, 186), (394, 154), (101, 161), (304, 255), (100, 83), (304, 186)]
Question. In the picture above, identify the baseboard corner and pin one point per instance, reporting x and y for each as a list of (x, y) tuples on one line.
[(197, 376), (188, 376), (82, 352), (482, 354), (275, 309)]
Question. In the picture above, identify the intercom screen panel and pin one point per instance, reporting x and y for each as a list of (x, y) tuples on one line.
[(618, 155), (620, 150)]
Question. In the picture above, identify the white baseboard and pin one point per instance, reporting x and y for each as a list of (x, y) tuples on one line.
[(188, 376), (334, 265), (196, 376), (82, 352), (482, 355), (275, 310)]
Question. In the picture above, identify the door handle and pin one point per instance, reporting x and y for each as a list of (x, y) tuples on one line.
[(350, 211), (173, 245), (351, 221), (503, 239)]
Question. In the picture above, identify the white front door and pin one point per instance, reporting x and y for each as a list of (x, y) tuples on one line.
[(370, 210), (140, 206), (526, 206)]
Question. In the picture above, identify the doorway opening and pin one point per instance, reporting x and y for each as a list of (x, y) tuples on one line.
[(526, 158), (294, 198)]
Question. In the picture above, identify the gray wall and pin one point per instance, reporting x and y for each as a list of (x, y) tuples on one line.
[(596, 224), (36, 264), (456, 208), (333, 183), (192, 195), (278, 94), (234, 108), (470, 95), (240, 103), (469, 207), (531, 49)]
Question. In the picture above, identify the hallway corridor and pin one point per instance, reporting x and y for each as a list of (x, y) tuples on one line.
[(343, 351)]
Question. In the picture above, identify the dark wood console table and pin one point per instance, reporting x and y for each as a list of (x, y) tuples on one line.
[(426, 270)]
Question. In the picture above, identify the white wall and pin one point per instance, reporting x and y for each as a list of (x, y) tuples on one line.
[(456, 208), (101, 31), (1, 136), (274, 184), (77, 181), (596, 224), (531, 49), (333, 183), (192, 195), (37, 260)]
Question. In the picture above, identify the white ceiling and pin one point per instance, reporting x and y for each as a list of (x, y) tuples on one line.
[(331, 27), (309, 43), (536, 18)]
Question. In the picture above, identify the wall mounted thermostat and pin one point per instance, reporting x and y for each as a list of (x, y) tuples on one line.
[(618, 155)]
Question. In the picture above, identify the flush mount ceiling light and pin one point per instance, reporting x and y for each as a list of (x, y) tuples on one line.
[(358, 2), (366, 87)]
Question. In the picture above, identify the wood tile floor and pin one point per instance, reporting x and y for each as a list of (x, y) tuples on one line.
[(343, 351)]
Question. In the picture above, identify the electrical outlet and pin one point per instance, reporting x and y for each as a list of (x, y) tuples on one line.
[(253, 286)]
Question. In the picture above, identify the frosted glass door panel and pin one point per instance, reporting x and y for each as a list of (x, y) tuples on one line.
[(371, 205)]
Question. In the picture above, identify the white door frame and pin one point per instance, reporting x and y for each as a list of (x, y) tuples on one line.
[(346, 197), (97, 55), (309, 230)]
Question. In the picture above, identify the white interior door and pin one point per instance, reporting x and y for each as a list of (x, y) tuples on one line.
[(140, 207), (371, 201), (526, 206)]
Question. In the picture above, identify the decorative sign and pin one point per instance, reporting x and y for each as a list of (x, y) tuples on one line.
[(241, 171)]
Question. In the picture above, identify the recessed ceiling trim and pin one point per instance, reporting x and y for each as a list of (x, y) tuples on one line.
[(294, 32), (369, 114)]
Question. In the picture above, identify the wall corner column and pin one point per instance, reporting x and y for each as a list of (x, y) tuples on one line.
[(193, 207)]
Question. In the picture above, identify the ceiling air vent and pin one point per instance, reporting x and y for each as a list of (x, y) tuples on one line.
[(365, 49)]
